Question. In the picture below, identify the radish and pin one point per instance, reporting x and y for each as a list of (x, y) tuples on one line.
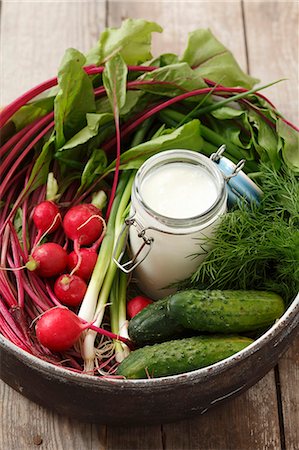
[(58, 329), (70, 289), (47, 260), (85, 268), (136, 304), (83, 223), (46, 217)]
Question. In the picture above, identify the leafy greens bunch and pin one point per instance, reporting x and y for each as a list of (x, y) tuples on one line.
[(226, 110), (94, 125)]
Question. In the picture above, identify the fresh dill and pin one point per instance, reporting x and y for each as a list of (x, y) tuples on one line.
[(257, 246)]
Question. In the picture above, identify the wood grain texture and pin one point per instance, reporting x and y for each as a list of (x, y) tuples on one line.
[(249, 421), (139, 438), (272, 35), (289, 389), (24, 426), (34, 36), (178, 18)]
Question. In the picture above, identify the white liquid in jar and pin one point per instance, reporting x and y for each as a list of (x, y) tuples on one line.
[(182, 201), (179, 190)]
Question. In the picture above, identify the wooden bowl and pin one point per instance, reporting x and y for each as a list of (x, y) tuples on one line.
[(123, 402)]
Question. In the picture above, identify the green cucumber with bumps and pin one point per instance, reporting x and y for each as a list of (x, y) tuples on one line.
[(180, 356), (153, 324), (225, 311)]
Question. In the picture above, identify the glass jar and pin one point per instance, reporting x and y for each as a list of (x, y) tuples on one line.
[(177, 198)]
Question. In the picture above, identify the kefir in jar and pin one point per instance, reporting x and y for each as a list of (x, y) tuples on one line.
[(178, 197)]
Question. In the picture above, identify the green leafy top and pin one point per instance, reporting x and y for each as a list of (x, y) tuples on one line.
[(211, 59), (115, 82), (132, 41), (75, 97)]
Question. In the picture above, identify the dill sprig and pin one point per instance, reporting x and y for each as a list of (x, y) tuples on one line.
[(257, 246)]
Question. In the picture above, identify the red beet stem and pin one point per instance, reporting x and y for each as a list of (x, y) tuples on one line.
[(46, 122), (14, 140), (111, 335), (5, 183), (13, 107)]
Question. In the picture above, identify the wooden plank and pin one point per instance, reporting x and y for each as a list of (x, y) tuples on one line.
[(273, 54), (289, 382), (35, 35), (24, 426), (180, 17), (273, 41), (137, 438), (249, 421)]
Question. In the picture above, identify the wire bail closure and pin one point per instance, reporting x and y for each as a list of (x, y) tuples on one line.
[(215, 157), (130, 265), (241, 188)]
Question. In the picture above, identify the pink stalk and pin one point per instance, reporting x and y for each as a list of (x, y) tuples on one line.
[(14, 182), (37, 287), (11, 323), (14, 140), (5, 183), (109, 334), (17, 263), (5, 286), (254, 108), (35, 297), (15, 269), (10, 335), (258, 94), (135, 84), (9, 111), (15, 241), (26, 139), (32, 311), (24, 227), (6, 290), (52, 296), (212, 83)]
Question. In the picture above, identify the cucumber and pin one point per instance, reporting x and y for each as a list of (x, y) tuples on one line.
[(153, 324), (180, 356), (225, 311)]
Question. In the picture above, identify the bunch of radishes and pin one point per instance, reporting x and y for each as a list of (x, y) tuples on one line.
[(59, 328), (82, 224)]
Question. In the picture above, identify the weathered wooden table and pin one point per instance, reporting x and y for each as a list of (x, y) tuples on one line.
[(263, 35)]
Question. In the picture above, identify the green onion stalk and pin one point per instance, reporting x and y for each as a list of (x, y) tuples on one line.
[(99, 287), (119, 322), (212, 140)]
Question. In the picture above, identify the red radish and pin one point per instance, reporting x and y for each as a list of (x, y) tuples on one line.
[(58, 329), (70, 289), (85, 268), (83, 223), (136, 304), (46, 216), (48, 260)]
